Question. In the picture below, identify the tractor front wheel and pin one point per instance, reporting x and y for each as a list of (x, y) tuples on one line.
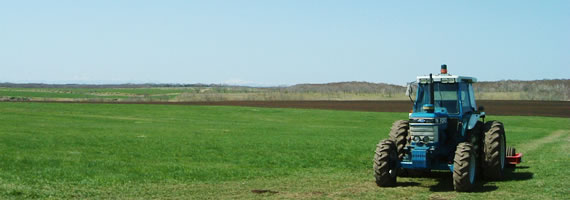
[(494, 151), (386, 163), (464, 167)]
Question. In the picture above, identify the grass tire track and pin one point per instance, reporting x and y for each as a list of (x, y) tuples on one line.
[(535, 144)]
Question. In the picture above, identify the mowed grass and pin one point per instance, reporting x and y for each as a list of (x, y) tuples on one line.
[(92, 151)]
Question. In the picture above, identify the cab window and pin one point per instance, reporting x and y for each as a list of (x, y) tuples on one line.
[(445, 99), (465, 97)]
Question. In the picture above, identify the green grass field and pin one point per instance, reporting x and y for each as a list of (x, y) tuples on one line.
[(54, 94), (93, 151)]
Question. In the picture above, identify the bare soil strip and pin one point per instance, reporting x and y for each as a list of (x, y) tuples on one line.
[(492, 107)]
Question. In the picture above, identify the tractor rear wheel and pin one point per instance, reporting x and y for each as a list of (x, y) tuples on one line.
[(399, 134), (386, 163), (494, 150), (464, 167)]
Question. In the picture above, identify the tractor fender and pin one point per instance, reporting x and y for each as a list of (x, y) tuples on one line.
[(473, 121)]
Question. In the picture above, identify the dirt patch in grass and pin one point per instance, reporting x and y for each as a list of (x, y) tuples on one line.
[(264, 191)]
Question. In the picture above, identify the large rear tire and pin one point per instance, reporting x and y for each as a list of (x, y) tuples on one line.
[(399, 134), (494, 151), (464, 167), (386, 163)]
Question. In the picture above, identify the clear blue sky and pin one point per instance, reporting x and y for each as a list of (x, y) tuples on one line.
[(274, 42)]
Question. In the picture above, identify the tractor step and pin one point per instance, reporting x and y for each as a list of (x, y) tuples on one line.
[(516, 159)]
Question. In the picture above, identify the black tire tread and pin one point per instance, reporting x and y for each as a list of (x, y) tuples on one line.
[(463, 154), (381, 163)]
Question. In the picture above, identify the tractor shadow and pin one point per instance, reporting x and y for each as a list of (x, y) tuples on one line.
[(512, 175), (445, 180), (407, 184), (445, 183)]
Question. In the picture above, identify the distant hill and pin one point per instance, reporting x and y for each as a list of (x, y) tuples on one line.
[(558, 89), (349, 87)]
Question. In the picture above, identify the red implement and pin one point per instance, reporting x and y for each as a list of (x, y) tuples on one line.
[(516, 159)]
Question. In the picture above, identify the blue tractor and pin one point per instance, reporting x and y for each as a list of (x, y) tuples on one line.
[(445, 131)]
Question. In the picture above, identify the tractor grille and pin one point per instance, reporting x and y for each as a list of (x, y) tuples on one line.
[(420, 158), (423, 131)]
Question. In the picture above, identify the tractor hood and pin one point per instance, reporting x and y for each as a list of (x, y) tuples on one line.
[(427, 115)]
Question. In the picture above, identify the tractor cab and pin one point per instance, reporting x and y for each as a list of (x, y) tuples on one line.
[(445, 94)]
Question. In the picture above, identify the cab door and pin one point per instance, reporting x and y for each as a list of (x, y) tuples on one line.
[(465, 100)]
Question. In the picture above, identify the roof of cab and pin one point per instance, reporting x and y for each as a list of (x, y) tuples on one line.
[(437, 78)]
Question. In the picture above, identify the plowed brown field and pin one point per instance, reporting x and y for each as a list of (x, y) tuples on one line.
[(523, 108)]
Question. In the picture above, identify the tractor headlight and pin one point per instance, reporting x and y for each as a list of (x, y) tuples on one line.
[(425, 139), (417, 139)]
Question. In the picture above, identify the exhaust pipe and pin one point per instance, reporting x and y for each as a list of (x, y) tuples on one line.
[(431, 93)]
